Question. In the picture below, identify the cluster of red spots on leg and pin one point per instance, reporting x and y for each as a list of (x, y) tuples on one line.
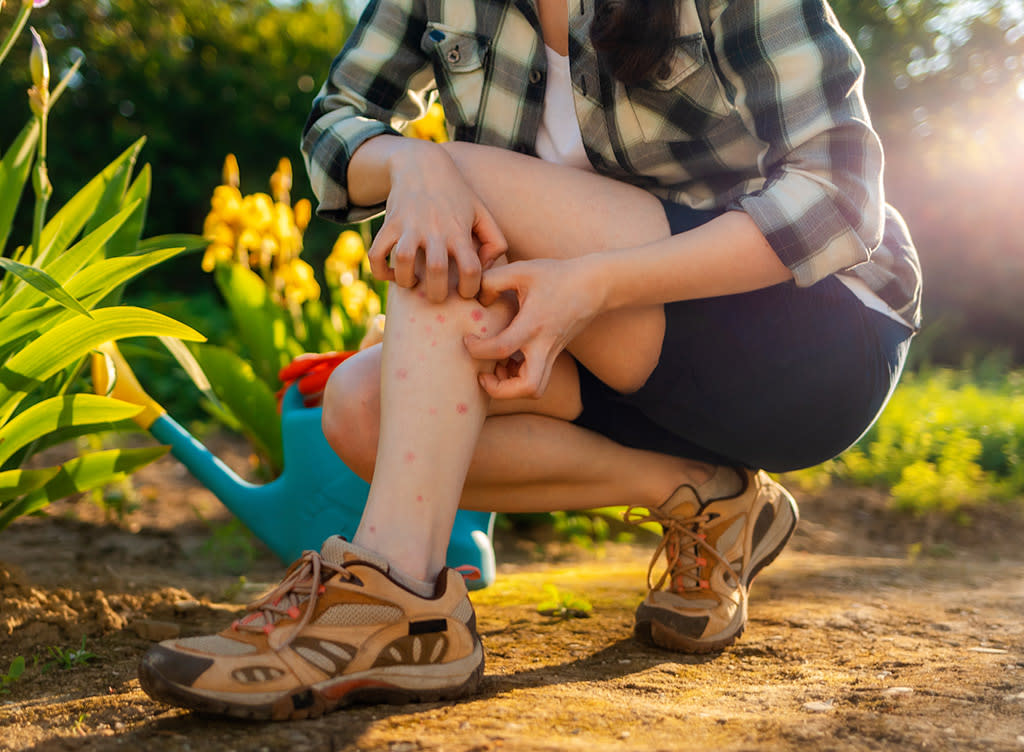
[(477, 315), (419, 499), (401, 373), (410, 457), (432, 411), (433, 343), (483, 330), (461, 408), (440, 318)]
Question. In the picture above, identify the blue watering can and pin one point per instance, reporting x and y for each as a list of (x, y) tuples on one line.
[(315, 496)]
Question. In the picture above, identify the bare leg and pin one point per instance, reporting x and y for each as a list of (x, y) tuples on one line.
[(434, 432)]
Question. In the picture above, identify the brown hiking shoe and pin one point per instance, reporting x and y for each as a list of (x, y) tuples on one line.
[(713, 549), (337, 630)]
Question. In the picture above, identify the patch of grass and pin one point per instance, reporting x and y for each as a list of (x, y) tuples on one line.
[(563, 605), (948, 440), (68, 659)]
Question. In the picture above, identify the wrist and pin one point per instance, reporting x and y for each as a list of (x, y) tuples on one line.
[(592, 270)]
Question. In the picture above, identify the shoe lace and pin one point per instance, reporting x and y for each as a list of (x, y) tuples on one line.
[(685, 544), (302, 583)]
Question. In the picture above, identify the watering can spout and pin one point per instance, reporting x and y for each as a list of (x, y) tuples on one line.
[(112, 376)]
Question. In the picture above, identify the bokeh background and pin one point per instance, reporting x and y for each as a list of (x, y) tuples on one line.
[(202, 78)]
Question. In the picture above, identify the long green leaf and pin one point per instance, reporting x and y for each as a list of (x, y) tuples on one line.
[(261, 324), (14, 483), (191, 243), (126, 240), (44, 283), (69, 262), (32, 321), (12, 510), (66, 343), (58, 412), (65, 225), (248, 397), (14, 171), (83, 474)]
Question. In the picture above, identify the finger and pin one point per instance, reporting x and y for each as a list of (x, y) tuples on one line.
[(379, 251), (403, 261), (494, 282), (468, 264), (489, 236), (502, 345), (435, 271)]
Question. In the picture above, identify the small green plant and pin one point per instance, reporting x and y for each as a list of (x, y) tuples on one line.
[(79, 725), (13, 674), (229, 545), (68, 659), (563, 605)]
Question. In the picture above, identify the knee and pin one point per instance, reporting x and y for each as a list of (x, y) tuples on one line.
[(351, 415)]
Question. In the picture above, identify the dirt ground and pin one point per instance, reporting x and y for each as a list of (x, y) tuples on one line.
[(859, 639)]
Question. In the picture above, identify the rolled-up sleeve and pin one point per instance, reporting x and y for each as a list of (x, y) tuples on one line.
[(376, 84), (796, 79)]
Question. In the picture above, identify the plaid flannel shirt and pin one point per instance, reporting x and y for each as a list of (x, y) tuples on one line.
[(758, 108)]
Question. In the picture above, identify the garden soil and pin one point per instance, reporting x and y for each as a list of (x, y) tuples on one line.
[(872, 631)]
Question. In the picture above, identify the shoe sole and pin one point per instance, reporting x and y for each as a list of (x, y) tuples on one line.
[(649, 631), (308, 701)]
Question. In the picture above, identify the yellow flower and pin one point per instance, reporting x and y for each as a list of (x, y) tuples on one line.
[(299, 282), (217, 253), (230, 172), (258, 212), (431, 126), (349, 248), (226, 203)]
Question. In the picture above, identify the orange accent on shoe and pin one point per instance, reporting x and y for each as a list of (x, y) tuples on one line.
[(268, 628), (293, 612), (468, 572)]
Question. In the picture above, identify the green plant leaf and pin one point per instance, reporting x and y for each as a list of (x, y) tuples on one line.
[(190, 243), (117, 195), (248, 398), (82, 474), (58, 412), (44, 283), (262, 326), (15, 483), (64, 344), (14, 171), (65, 225)]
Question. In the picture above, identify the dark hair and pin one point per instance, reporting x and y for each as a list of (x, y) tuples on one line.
[(634, 36)]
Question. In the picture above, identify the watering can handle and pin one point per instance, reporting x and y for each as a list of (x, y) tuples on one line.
[(113, 377)]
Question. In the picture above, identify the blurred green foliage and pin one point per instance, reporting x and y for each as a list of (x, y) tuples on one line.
[(198, 78), (947, 441)]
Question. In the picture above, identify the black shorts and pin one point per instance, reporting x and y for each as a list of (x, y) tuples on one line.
[(779, 378)]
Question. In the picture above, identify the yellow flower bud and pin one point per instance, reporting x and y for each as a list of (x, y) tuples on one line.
[(38, 62), (349, 249), (303, 213), (230, 174)]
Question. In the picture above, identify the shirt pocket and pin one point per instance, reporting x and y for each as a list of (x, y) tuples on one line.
[(458, 58), (682, 99)]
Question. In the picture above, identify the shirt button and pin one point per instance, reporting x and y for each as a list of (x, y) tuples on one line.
[(535, 76)]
